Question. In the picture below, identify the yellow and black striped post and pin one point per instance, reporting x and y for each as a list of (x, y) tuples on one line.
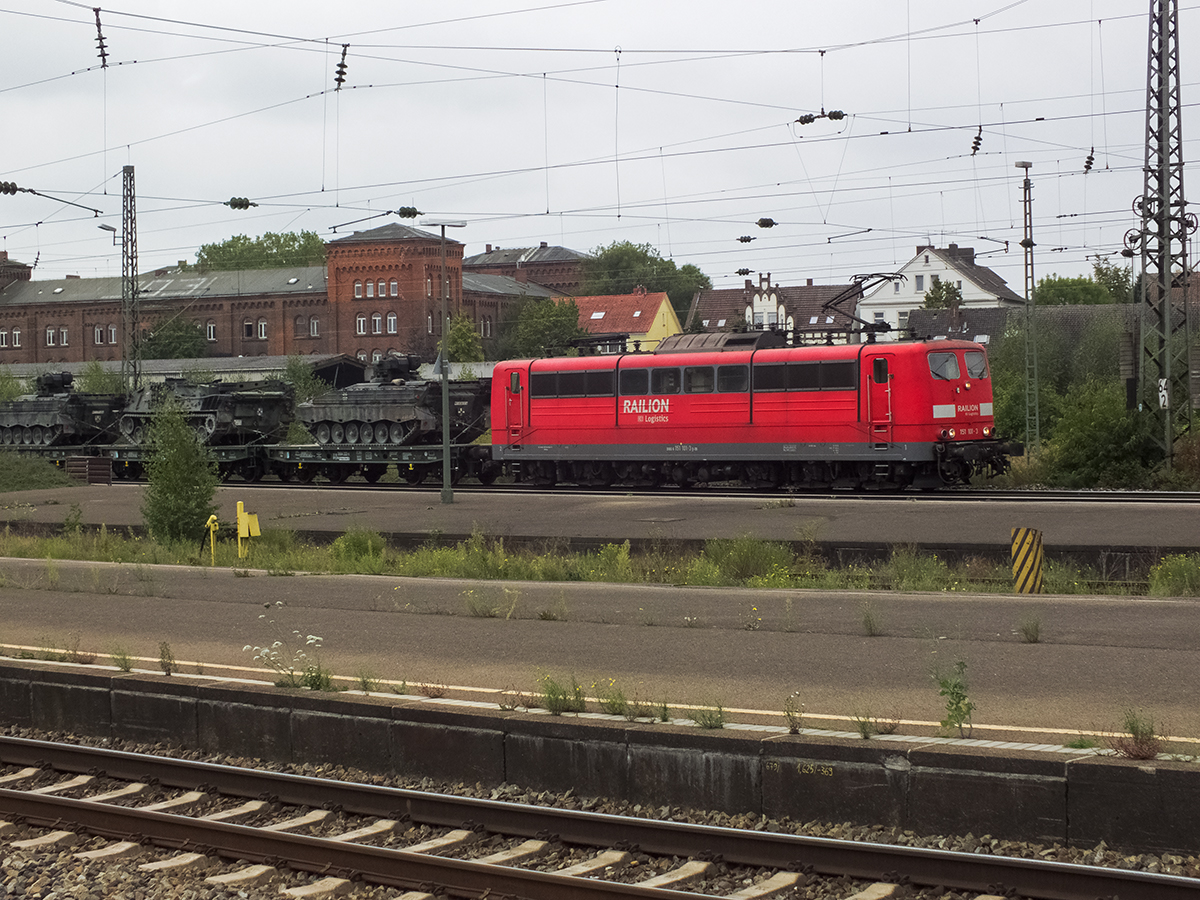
[(1027, 561)]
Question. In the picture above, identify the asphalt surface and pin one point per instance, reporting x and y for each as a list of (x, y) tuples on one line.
[(746, 650)]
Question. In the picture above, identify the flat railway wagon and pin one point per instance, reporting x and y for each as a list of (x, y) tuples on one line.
[(746, 407)]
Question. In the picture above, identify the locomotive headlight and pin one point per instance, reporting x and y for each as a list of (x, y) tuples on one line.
[(986, 431), (947, 434), (967, 385)]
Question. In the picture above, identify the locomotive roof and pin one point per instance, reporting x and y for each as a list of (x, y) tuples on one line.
[(723, 340)]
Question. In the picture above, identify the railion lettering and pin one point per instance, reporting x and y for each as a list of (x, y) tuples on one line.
[(646, 405)]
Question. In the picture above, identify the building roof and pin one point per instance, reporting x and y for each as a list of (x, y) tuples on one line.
[(984, 324), (1070, 321), (393, 231), (620, 313), (170, 284), (962, 260), (803, 302), (503, 285), (522, 256)]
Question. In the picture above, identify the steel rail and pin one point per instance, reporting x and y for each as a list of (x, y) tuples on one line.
[(826, 856)]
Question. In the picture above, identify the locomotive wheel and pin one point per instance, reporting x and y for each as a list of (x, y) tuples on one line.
[(353, 431), (373, 473), (322, 433), (337, 433)]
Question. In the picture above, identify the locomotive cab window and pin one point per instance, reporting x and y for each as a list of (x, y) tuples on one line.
[(976, 364), (698, 380), (879, 370), (664, 381), (514, 383), (733, 379), (943, 366), (635, 382)]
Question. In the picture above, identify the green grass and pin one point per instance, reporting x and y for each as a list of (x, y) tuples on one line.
[(25, 473)]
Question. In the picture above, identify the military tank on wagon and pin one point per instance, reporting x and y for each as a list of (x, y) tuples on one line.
[(254, 412), (55, 415), (397, 409)]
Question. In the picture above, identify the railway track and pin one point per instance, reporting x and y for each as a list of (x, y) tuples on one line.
[(313, 837)]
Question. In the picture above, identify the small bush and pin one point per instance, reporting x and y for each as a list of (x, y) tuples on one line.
[(560, 697), (611, 697), (872, 624), (357, 544), (953, 686), (743, 558), (709, 717), (910, 570), (316, 677), (434, 690), (120, 658), (1140, 739), (166, 659), (1177, 575), (864, 724), (1030, 630), (793, 712)]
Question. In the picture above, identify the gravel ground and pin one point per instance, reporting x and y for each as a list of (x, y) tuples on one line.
[(59, 876)]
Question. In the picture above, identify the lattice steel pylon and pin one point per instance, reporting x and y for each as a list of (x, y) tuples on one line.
[(1162, 373), (131, 352)]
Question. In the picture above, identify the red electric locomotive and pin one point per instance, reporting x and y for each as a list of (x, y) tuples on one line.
[(747, 407)]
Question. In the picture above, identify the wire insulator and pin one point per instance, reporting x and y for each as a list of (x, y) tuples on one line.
[(1090, 161), (340, 76), (100, 40)]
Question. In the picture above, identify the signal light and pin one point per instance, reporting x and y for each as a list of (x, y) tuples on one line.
[(340, 76), (239, 203), (8, 187)]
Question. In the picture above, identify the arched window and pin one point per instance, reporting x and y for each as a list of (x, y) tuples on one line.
[(391, 323), (362, 354), (376, 356), (112, 334), (430, 325), (247, 329), (370, 289), (393, 288), (314, 327), (376, 323), (3, 337), (62, 336), (358, 290), (99, 333), (262, 329), (49, 335), (210, 330), (16, 337), (360, 325), (298, 327), (382, 286)]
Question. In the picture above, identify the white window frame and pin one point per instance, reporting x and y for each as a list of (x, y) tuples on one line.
[(376, 323), (210, 331), (16, 333), (62, 336), (358, 290), (376, 356), (314, 327), (360, 325), (112, 334), (919, 283), (370, 289), (393, 288), (3, 337), (391, 323), (50, 334), (262, 329), (99, 334)]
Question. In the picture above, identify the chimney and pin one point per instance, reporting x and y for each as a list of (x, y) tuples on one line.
[(522, 275), (543, 245), (749, 285), (69, 277), (952, 249), (808, 282), (489, 249), (3, 254)]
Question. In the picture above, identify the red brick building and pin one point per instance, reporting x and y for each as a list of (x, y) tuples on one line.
[(558, 268)]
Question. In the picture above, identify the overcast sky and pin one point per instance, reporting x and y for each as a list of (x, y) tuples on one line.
[(668, 122)]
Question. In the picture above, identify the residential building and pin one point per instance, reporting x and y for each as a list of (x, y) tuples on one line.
[(645, 317), (810, 308)]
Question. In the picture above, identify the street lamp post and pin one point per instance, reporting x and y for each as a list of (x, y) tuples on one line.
[(447, 490)]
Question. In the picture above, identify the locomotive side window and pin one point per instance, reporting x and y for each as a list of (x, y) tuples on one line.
[(839, 376), (879, 370), (698, 380), (543, 384), (600, 384), (976, 364), (733, 379), (572, 384), (635, 382), (515, 383), (804, 377), (943, 366), (770, 378), (664, 381)]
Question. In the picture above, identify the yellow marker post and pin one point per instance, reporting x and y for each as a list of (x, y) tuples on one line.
[(247, 524), (212, 527), (1027, 561)]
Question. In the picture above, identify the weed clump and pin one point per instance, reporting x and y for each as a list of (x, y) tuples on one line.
[(1139, 740), (953, 686), (559, 697)]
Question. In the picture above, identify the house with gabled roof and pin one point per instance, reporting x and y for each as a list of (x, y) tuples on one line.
[(558, 268), (980, 287), (647, 317), (790, 308)]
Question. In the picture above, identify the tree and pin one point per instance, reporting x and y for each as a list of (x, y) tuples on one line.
[(174, 338), (943, 295), (271, 251), (463, 343), (1055, 291), (543, 327), (182, 474), (95, 379), (1117, 280), (622, 266)]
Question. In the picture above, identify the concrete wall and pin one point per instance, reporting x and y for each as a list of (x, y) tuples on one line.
[(1137, 806)]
